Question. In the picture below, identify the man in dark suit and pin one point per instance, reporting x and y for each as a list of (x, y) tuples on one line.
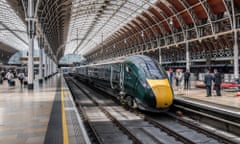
[(186, 79), (217, 82), (208, 83)]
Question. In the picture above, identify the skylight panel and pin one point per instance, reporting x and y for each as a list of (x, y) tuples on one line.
[(12, 27)]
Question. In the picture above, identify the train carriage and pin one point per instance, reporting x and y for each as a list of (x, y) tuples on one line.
[(137, 80)]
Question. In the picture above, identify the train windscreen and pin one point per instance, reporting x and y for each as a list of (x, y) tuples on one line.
[(151, 69)]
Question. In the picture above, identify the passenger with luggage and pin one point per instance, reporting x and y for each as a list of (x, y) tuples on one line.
[(21, 77), (10, 77)]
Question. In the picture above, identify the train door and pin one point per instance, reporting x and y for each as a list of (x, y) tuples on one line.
[(121, 82), (115, 77), (130, 79)]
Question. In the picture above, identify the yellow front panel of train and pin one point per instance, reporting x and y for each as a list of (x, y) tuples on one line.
[(162, 91)]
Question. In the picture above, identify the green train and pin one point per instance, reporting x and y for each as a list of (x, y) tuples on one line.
[(138, 81)]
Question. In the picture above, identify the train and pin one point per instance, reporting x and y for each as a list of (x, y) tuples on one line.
[(138, 81)]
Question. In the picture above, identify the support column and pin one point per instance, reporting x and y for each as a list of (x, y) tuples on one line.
[(54, 68), (41, 60), (30, 64), (160, 56), (187, 52), (50, 68), (46, 66), (48, 74), (236, 63), (235, 47), (187, 57), (31, 33)]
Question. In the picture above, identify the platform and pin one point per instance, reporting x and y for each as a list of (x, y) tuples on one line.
[(39, 116), (228, 101)]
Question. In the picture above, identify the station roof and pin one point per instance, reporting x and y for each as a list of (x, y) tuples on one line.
[(83, 26), (13, 36)]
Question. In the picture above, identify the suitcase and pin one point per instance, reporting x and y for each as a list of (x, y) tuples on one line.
[(12, 83), (25, 82)]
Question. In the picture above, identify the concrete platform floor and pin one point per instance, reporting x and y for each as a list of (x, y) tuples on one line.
[(24, 114)]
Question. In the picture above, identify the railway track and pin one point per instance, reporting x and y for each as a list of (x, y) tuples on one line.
[(109, 122), (221, 120)]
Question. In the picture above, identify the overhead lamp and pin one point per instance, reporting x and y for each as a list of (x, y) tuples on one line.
[(98, 14), (106, 1), (171, 21), (103, 7), (200, 40), (142, 34)]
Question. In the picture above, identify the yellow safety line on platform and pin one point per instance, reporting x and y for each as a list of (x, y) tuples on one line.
[(64, 121)]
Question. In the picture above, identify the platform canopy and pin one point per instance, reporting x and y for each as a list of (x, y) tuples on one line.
[(71, 59), (103, 28), (13, 36), (93, 21)]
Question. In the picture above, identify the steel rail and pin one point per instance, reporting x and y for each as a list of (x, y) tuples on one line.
[(199, 112), (94, 136), (114, 120)]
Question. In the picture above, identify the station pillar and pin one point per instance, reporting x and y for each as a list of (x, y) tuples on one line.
[(187, 57), (48, 73), (160, 56), (235, 46), (51, 66), (41, 44), (187, 52), (235, 52), (31, 28), (45, 65)]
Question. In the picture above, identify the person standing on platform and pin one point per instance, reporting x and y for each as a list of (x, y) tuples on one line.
[(179, 77), (21, 77), (176, 79), (170, 76), (10, 77), (186, 79), (217, 82), (208, 83), (1, 79)]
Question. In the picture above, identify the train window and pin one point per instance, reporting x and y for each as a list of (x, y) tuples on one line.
[(116, 72), (129, 70), (161, 69), (107, 72), (151, 70)]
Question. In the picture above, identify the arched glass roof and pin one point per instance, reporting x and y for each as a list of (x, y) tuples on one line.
[(71, 58), (93, 21), (12, 28), (106, 27)]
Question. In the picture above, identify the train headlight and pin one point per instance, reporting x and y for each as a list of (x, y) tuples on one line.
[(144, 84)]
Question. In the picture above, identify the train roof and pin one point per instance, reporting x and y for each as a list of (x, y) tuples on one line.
[(120, 60)]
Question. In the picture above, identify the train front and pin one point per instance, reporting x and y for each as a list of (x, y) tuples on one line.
[(158, 91)]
